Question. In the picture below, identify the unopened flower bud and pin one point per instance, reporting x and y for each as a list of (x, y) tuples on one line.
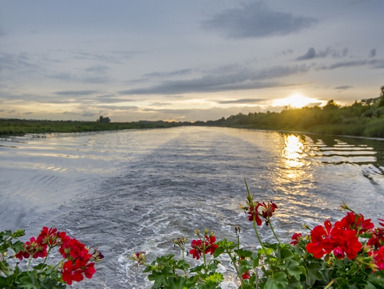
[(97, 256), (237, 229), (139, 257), (197, 232), (305, 226)]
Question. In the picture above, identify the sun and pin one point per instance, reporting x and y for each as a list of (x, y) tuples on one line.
[(296, 100)]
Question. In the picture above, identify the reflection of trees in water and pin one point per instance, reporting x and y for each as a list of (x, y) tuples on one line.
[(375, 146)]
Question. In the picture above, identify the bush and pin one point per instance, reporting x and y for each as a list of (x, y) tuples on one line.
[(346, 254), (77, 261)]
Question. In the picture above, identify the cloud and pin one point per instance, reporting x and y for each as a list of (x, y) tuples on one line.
[(87, 78), (372, 53), (343, 87), (18, 62), (255, 20), (239, 80), (241, 101), (311, 54), (168, 74), (75, 92)]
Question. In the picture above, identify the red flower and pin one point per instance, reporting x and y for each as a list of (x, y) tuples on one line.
[(208, 247), (48, 236), (378, 256), (267, 209), (340, 239), (318, 234), (32, 248), (197, 249), (140, 257), (377, 238), (71, 272), (253, 214), (338, 252), (246, 275), (295, 237), (356, 222)]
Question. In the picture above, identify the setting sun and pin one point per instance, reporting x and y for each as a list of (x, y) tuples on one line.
[(296, 100)]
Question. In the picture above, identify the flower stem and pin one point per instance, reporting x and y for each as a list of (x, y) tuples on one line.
[(330, 283), (236, 268), (273, 231), (257, 234)]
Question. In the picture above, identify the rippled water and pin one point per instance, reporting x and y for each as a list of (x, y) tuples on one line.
[(137, 190)]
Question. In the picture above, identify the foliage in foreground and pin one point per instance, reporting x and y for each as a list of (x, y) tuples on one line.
[(76, 263), (346, 254)]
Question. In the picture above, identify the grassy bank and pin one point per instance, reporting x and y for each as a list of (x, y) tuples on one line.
[(17, 127)]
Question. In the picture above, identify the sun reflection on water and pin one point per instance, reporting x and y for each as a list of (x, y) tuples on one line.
[(293, 152)]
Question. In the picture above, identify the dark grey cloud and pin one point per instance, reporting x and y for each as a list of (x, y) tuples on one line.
[(242, 101), (312, 53), (343, 87), (102, 69), (238, 80), (88, 114), (18, 62), (372, 53), (87, 78), (168, 74), (254, 20)]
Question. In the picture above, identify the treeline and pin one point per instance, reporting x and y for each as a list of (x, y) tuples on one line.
[(362, 118), (19, 127)]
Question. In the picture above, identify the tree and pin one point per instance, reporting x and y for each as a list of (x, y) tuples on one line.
[(381, 101), (104, 119)]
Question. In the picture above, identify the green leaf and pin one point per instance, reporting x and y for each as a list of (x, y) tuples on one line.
[(314, 273), (294, 269), (377, 279), (243, 253), (218, 252), (278, 281)]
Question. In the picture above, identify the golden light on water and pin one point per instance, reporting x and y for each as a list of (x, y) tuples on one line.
[(293, 151)]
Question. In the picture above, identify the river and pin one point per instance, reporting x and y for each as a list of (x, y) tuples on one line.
[(137, 190)]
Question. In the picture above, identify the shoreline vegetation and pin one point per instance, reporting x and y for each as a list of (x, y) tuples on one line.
[(363, 118)]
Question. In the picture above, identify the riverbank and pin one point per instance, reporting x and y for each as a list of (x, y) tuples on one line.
[(19, 127)]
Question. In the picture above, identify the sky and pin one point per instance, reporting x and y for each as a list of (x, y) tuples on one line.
[(184, 60)]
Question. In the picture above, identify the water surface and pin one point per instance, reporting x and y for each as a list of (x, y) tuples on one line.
[(137, 190)]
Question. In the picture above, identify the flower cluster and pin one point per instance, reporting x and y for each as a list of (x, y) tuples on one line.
[(330, 256), (255, 210), (343, 239), (78, 261), (206, 246)]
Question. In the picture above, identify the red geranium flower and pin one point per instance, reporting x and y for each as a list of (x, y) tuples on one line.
[(267, 209), (378, 256), (340, 239), (210, 247), (72, 272), (48, 236), (295, 237), (377, 238), (246, 275), (32, 248), (253, 214), (197, 249)]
